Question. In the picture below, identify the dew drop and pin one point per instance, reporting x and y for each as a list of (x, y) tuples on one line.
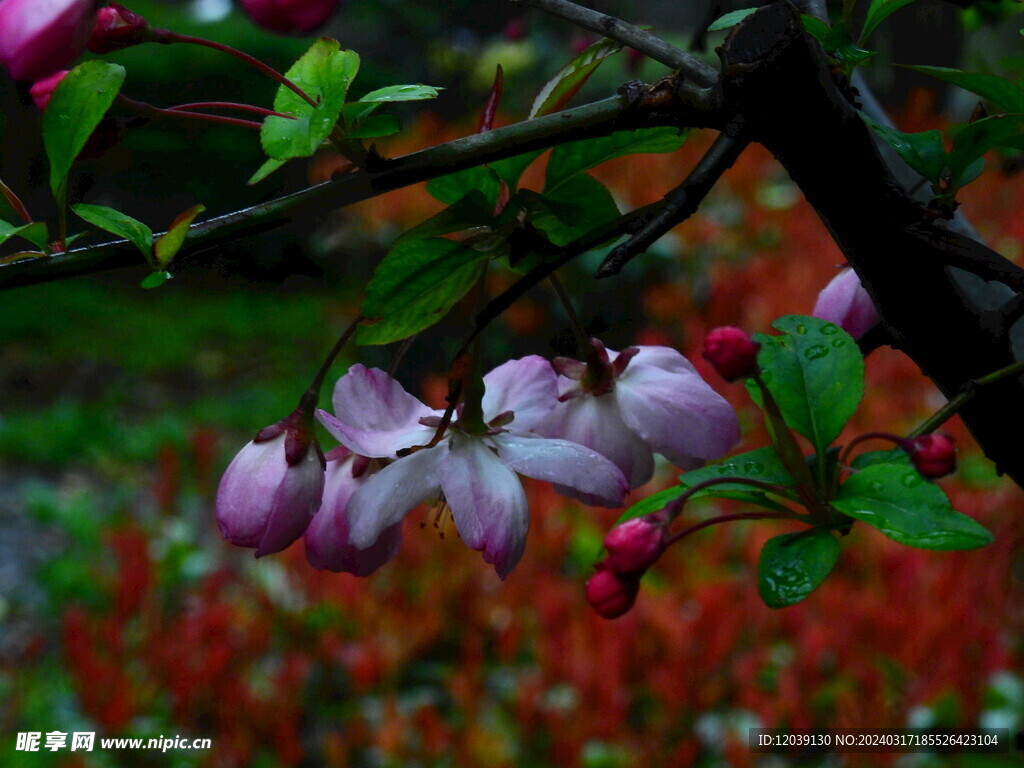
[(877, 486), (816, 352), (838, 343), (829, 329), (912, 480), (801, 329)]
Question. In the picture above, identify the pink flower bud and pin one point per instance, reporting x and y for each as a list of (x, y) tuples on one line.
[(845, 302), (635, 545), (732, 352), (934, 455), (42, 90), (611, 594), (116, 28), (38, 37), (290, 17), (271, 490)]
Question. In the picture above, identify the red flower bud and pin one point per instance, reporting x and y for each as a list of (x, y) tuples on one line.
[(635, 545), (933, 455), (42, 90), (38, 37), (612, 594), (116, 28), (732, 352), (290, 17)]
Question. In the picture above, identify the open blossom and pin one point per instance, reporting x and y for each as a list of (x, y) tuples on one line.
[(290, 17), (475, 472), (629, 405), (38, 37), (845, 302), (272, 488), (327, 538)]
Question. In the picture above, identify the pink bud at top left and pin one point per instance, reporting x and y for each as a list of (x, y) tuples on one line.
[(634, 545), (266, 501), (38, 37), (732, 352), (116, 28), (42, 90)]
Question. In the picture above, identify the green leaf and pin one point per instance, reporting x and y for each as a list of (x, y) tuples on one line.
[(375, 126), (762, 464), (894, 456), (1003, 93), (415, 286), (120, 224), (453, 187), (155, 279), (815, 372), (511, 168), (652, 503), (75, 109), (904, 506), (573, 209), (564, 85), (879, 11), (730, 19), (324, 72), (35, 233), (568, 160), (794, 564), (818, 28), (467, 212), (401, 93), (925, 152), (977, 138), (839, 43), (265, 170), (172, 240)]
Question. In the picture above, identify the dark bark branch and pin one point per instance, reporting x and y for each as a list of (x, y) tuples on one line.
[(776, 77), (680, 204)]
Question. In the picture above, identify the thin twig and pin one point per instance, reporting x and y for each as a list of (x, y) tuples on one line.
[(681, 203), (693, 68)]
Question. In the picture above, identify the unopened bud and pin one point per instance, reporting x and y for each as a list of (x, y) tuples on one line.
[(612, 594), (933, 455), (290, 17), (42, 90), (635, 545), (732, 352), (116, 28)]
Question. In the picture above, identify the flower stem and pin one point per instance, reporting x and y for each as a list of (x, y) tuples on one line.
[(723, 519), (229, 105), (313, 393), (673, 508), (167, 37), (148, 110), (863, 438), (586, 346), (947, 411)]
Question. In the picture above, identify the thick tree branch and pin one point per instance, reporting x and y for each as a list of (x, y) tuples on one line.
[(689, 65), (777, 78), (597, 119)]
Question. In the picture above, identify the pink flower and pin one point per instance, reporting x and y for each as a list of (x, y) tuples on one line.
[(732, 352), (116, 28), (933, 455), (38, 37), (845, 302), (642, 401), (272, 488), (290, 17), (327, 538), (42, 90), (475, 472)]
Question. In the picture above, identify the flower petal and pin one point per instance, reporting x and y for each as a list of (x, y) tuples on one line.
[(246, 492), (527, 386), (388, 495), (487, 501), (374, 415), (327, 539), (595, 422), (845, 302), (677, 414), (296, 501), (568, 464), (665, 358)]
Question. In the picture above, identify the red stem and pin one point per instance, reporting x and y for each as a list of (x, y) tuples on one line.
[(723, 519), (166, 37), (868, 436), (148, 110), (229, 105)]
